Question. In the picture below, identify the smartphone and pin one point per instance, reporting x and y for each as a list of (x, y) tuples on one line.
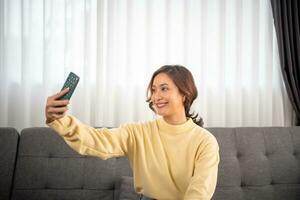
[(71, 82)]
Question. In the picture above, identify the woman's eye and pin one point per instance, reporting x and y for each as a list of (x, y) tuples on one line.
[(164, 89)]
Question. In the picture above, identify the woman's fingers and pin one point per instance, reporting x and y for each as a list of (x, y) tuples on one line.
[(53, 113), (55, 110), (59, 103), (51, 103), (60, 94)]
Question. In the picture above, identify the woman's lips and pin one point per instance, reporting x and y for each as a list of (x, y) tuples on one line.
[(160, 105)]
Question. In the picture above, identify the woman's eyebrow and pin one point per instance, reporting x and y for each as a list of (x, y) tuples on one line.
[(160, 85)]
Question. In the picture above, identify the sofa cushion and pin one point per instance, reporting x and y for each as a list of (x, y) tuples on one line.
[(8, 151), (47, 168), (258, 163), (127, 191)]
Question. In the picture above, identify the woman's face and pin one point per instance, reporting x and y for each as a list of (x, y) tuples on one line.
[(166, 98)]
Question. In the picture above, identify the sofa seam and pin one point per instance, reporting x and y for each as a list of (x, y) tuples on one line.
[(12, 186)]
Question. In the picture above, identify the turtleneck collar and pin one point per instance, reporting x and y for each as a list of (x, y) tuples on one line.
[(171, 129)]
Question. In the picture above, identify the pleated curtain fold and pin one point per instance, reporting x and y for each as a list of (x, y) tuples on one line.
[(115, 46)]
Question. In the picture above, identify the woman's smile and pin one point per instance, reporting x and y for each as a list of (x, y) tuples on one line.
[(161, 105)]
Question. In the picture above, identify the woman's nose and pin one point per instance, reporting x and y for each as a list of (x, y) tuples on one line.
[(156, 96)]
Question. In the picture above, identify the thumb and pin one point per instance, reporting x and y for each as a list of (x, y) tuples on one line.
[(61, 93)]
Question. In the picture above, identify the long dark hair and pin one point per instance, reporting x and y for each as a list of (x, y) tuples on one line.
[(184, 80)]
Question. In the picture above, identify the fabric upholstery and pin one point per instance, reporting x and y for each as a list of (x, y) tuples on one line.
[(127, 191), (8, 151), (255, 164), (49, 169), (258, 163)]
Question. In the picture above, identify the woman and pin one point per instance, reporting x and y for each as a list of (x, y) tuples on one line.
[(172, 157)]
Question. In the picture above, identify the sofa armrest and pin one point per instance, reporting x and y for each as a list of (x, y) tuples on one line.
[(8, 150)]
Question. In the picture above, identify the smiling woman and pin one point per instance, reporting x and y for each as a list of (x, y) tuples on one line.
[(171, 92), (160, 171)]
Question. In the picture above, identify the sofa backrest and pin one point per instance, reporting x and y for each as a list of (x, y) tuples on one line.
[(47, 168), (8, 151), (258, 163)]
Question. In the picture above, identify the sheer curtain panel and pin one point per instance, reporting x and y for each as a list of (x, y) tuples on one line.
[(115, 46)]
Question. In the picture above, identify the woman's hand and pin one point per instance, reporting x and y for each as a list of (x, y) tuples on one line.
[(55, 108)]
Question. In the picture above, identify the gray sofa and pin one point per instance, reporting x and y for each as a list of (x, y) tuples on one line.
[(256, 164)]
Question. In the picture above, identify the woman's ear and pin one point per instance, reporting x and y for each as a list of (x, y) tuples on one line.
[(183, 98)]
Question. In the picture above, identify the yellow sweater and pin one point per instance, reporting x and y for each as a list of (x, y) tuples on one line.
[(169, 162)]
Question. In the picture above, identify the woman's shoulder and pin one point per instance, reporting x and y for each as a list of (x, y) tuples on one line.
[(205, 135)]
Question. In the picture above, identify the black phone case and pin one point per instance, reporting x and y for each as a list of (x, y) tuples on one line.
[(71, 83)]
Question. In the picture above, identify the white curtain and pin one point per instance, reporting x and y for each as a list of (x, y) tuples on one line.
[(115, 46)]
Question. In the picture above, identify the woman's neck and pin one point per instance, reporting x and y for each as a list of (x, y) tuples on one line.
[(175, 120)]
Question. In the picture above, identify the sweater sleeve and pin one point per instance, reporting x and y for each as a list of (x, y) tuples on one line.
[(204, 180), (104, 143)]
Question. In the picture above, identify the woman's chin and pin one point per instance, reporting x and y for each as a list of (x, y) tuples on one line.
[(161, 113)]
